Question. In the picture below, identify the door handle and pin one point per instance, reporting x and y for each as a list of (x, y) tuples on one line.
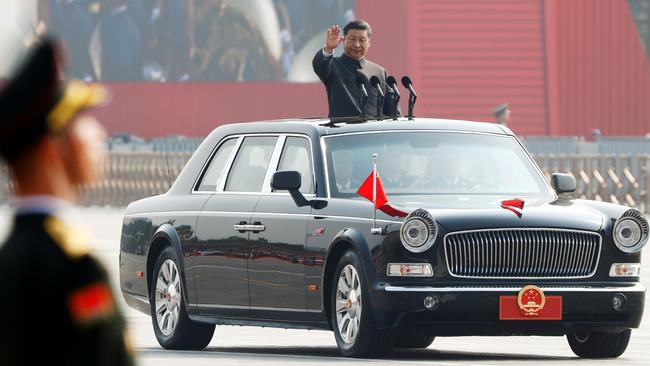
[(256, 228), (242, 227)]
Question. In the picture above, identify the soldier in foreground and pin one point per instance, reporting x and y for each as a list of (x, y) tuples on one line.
[(56, 300)]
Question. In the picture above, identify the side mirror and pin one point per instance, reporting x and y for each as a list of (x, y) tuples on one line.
[(289, 180), (563, 183)]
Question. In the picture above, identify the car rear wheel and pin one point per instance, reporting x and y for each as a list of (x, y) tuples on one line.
[(172, 326), (599, 344), (354, 329), (414, 341)]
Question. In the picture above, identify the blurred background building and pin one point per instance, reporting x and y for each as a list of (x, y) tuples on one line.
[(186, 66)]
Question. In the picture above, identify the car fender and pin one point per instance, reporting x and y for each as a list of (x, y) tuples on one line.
[(350, 237), (167, 232)]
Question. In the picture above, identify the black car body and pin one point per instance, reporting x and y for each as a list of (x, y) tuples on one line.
[(224, 247)]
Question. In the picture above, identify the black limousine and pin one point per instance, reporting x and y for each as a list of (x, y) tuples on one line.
[(389, 233)]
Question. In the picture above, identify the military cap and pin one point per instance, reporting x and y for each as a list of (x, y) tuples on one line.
[(498, 111), (35, 101)]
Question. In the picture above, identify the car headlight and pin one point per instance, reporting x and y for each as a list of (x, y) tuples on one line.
[(418, 231), (631, 231)]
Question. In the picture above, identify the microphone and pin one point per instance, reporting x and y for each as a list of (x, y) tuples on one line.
[(392, 84), (374, 81), (363, 97), (406, 81), (362, 85)]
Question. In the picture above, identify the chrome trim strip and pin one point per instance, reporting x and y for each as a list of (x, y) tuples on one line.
[(518, 260), (433, 130), (211, 306), (312, 216), (636, 288), (273, 163), (323, 153), (163, 213)]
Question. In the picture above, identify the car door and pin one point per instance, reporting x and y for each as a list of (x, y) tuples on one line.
[(276, 268), (221, 275)]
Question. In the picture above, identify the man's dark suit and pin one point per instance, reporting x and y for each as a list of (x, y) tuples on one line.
[(339, 75)]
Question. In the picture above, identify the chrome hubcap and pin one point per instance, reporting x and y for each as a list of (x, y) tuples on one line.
[(348, 304), (168, 297)]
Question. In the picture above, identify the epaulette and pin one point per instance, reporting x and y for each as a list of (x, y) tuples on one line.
[(73, 242)]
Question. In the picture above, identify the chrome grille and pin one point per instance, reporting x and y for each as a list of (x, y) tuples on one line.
[(522, 253)]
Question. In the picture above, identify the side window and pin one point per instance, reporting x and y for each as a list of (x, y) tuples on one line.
[(249, 168), (296, 155), (212, 176)]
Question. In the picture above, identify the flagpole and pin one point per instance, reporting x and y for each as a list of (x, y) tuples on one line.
[(374, 230)]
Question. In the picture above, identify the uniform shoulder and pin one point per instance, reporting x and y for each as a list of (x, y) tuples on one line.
[(73, 242)]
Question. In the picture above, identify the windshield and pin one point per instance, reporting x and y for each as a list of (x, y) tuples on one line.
[(433, 163)]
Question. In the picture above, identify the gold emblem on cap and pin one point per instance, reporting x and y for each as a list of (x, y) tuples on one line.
[(77, 96), (531, 300), (73, 242)]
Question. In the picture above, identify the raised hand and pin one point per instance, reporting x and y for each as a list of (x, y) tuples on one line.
[(334, 38)]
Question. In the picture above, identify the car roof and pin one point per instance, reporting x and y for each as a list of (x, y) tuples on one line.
[(325, 126)]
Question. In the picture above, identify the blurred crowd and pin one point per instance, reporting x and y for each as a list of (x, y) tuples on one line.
[(182, 40)]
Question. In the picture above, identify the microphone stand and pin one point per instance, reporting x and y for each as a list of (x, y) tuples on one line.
[(396, 96), (380, 102), (363, 95), (363, 98), (391, 84), (412, 98)]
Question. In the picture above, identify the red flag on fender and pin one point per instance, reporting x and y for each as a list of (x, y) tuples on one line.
[(365, 190), (392, 211), (381, 201)]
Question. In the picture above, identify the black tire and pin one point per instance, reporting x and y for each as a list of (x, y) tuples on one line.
[(186, 335), (599, 344), (369, 341), (414, 341)]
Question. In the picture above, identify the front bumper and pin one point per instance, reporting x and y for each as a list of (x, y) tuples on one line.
[(465, 311)]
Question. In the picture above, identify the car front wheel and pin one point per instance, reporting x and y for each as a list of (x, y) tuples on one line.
[(599, 344), (172, 326), (354, 329)]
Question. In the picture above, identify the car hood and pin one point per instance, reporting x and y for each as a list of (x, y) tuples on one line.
[(483, 212)]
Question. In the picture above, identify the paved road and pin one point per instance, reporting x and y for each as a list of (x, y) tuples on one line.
[(237, 345)]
